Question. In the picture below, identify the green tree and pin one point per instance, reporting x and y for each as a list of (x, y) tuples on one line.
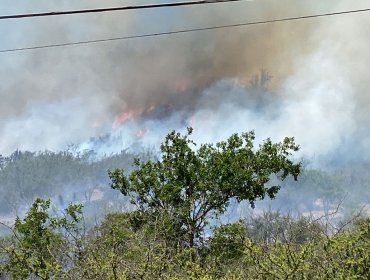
[(31, 252), (195, 185), (41, 244), (227, 243)]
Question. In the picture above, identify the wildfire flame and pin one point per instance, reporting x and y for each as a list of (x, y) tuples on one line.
[(180, 86), (130, 115), (124, 117)]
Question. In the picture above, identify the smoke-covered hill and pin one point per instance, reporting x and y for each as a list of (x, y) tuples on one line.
[(130, 94), (54, 97), (68, 178)]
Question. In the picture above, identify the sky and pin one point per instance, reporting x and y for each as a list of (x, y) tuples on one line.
[(52, 98)]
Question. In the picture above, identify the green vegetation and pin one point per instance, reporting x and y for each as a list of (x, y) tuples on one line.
[(61, 176), (172, 234), (190, 187), (66, 178), (128, 246)]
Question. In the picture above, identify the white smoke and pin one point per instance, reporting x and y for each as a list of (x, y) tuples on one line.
[(52, 98)]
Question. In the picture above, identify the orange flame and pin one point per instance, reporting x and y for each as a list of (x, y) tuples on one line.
[(124, 117), (129, 115)]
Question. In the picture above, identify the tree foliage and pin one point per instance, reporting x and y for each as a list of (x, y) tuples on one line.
[(176, 197), (37, 245), (25, 176), (131, 246), (195, 185)]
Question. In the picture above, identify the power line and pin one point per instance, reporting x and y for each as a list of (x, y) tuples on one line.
[(101, 10), (184, 31)]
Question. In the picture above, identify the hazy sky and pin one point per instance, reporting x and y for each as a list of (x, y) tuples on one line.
[(54, 97)]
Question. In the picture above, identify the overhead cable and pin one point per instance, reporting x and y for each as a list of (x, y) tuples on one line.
[(115, 9), (185, 31)]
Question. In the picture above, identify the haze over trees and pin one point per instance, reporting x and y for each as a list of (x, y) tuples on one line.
[(67, 177), (169, 235), (63, 176), (82, 177)]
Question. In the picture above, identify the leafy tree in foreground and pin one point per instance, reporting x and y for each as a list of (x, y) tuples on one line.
[(40, 244), (195, 185), (31, 252)]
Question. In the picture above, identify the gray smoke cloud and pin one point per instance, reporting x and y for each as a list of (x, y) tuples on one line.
[(52, 98)]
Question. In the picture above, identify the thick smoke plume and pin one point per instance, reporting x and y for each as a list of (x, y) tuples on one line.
[(145, 87)]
